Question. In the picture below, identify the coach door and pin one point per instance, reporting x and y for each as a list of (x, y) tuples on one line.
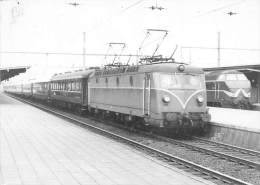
[(85, 91), (146, 94)]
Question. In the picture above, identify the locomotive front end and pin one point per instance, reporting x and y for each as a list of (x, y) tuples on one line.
[(238, 91), (182, 99)]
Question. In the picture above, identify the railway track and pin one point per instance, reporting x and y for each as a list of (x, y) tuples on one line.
[(242, 156), (191, 167)]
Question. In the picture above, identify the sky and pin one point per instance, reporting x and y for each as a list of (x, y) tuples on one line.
[(55, 26)]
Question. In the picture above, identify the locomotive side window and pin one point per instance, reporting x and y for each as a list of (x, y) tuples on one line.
[(117, 81), (131, 81)]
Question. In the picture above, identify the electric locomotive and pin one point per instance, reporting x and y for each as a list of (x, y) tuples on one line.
[(229, 88), (163, 94)]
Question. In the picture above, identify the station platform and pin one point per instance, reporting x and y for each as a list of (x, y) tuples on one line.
[(237, 118), (236, 127), (38, 148)]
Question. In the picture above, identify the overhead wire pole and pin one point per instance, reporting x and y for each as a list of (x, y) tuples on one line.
[(218, 48), (84, 49), (0, 36)]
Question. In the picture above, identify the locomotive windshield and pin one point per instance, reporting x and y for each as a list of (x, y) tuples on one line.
[(181, 81), (237, 81)]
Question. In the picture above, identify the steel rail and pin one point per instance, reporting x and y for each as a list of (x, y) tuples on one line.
[(218, 154), (203, 171), (236, 148)]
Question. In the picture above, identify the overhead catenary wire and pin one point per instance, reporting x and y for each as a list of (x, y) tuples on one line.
[(65, 53), (213, 48)]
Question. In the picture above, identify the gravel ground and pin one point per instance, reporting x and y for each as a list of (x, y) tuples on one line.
[(221, 165)]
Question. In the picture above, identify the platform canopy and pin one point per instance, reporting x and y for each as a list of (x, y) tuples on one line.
[(9, 72), (255, 68), (251, 71)]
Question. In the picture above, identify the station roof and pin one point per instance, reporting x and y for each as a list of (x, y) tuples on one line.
[(244, 68), (9, 72), (73, 75)]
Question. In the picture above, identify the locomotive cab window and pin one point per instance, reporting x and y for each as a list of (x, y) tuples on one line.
[(179, 80), (231, 77)]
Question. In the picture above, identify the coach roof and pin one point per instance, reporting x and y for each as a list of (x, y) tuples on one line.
[(73, 75)]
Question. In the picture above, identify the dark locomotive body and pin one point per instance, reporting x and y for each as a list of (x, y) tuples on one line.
[(168, 95), (228, 89)]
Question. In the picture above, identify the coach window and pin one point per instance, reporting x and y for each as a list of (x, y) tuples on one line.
[(76, 86), (67, 86), (70, 86), (131, 81), (117, 81)]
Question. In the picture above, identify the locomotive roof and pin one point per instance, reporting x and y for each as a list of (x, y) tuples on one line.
[(73, 75), (215, 74), (155, 67), (169, 68)]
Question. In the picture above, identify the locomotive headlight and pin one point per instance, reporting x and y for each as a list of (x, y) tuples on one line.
[(200, 99), (166, 99), (181, 68)]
